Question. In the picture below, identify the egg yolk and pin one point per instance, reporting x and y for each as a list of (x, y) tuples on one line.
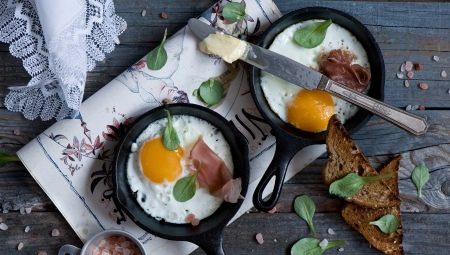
[(159, 164), (310, 110)]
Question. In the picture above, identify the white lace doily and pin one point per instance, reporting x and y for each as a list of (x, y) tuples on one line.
[(58, 42)]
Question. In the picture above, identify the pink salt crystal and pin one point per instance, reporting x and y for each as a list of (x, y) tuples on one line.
[(423, 85), (195, 222), (422, 107), (273, 210), (408, 66), (410, 74), (259, 238), (55, 232)]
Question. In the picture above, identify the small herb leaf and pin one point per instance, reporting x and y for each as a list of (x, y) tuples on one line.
[(420, 176), (387, 224), (170, 136), (211, 91), (185, 188), (305, 208), (233, 12), (312, 35), (311, 246), (352, 183), (6, 158), (157, 58)]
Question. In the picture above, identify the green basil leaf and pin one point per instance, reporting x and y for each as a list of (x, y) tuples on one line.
[(305, 208), (352, 183), (211, 91), (185, 188), (157, 58), (387, 224), (420, 176), (311, 246), (233, 12), (6, 158), (170, 136), (312, 35)]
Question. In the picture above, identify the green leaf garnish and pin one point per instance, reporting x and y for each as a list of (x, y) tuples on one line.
[(157, 58), (185, 188), (233, 12), (211, 91), (305, 208), (311, 246), (170, 136), (312, 35), (6, 158), (353, 183), (387, 224), (420, 176)]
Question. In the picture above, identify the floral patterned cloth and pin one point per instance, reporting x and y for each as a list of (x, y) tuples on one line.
[(72, 159)]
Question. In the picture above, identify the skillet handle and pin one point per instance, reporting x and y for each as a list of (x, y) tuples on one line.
[(284, 152), (211, 243)]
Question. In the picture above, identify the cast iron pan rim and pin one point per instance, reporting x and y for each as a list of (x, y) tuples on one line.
[(191, 237), (255, 73)]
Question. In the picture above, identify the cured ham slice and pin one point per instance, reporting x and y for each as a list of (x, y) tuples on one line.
[(213, 174), (337, 65)]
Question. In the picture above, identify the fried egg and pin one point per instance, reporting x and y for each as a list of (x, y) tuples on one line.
[(152, 170), (310, 110)]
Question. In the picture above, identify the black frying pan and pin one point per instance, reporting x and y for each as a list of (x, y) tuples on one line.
[(290, 139), (208, 234)]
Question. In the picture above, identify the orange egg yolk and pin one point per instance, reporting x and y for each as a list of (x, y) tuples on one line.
[(310, 110), (159, 164)]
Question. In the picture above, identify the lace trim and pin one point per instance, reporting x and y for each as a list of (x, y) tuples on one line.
[(57, 85)]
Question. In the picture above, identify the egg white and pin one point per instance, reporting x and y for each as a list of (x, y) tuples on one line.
[(157, 199), (279, 92)]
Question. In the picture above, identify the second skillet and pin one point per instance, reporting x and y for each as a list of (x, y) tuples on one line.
[(289, 140)]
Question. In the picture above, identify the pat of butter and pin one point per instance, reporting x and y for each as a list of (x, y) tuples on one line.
[(225, 46)]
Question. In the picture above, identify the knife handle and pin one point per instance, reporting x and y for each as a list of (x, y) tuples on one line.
[(415, 124)]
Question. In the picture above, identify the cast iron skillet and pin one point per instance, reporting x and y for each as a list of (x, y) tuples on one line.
[(207, 235), (289, 139)]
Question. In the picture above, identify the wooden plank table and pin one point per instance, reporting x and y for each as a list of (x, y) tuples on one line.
[(404, 30)]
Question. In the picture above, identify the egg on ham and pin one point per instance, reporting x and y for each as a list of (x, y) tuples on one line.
[(152, 170), (310, 110)]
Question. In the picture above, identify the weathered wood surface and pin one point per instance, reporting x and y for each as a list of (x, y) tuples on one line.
[(405, 31)]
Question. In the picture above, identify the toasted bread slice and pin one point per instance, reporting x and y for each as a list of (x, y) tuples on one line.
[(345, 157), (359, 218)]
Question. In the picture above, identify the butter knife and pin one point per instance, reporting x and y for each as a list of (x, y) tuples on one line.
[(305, 77)]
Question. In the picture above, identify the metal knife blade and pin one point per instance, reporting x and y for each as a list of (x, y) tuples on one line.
[(269, 61)]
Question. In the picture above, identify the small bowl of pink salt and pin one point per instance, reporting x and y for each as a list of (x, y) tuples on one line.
[(108, 242)]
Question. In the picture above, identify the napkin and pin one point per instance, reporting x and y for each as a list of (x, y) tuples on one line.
[(72, 159), (58, 42)]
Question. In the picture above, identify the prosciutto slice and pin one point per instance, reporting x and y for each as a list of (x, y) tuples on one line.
[(337, 65), (213, 174)]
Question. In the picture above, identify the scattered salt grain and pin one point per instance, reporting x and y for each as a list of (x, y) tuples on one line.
[(163, 15), (408, 66), (28, 210), (22, 210), (323, 244), (143, 13), (436, 58), (331, 231), (341, 249), (3, 226), (402, 68), (400, 76), (415, 107), (5, 211), (16, 131), (27, 229), (259, 238), (55, 232), (418, 66), (444, 74), (134, 147), (409, 107), (410, 74), (20, 246), (275, 240), (273, 210), (448, 91), (42, 253), (423, 85), (422, 107), (406, 83)]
